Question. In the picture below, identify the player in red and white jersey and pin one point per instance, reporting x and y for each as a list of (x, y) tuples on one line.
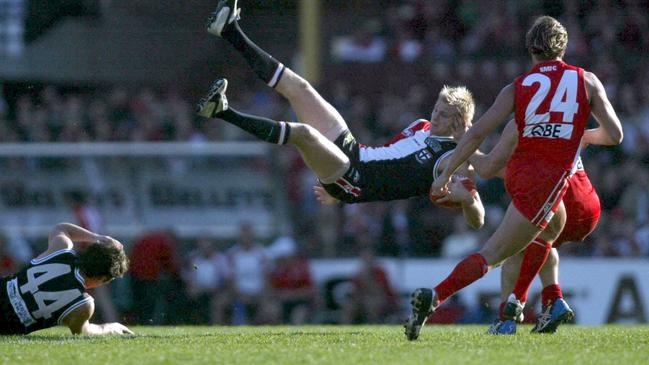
[(349, 172), (551, 104), (582, 211)]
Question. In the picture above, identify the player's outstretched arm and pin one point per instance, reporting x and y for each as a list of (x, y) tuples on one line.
[(493, 164), (79, 323), (610, 130), (473, 210), (497, 113), (64, 236)]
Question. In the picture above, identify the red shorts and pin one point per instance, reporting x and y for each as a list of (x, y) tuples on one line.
[(582, 209), (536, 192)]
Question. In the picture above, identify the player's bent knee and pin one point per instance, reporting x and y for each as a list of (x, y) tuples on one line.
[(304, 133), (492, 257), (508, 269), (303, 85), (298, 86)]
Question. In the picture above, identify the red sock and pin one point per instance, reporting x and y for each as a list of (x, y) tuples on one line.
[(467, 271), (536, 254), (501, 311), (551, 293)]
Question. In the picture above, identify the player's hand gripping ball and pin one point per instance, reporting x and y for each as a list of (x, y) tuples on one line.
[(460, 189)]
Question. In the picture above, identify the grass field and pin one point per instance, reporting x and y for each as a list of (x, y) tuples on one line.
[(332, 345)]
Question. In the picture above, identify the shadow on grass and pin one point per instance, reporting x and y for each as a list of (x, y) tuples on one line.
[(20, 339), (59, 338)]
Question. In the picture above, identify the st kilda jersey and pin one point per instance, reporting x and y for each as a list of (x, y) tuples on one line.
[(403, 168), (42, 294)]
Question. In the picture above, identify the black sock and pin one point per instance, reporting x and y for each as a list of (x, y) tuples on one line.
[(263, 128), (264, 65)]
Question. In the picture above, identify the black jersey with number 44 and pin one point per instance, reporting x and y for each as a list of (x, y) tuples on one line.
[(403, 168), (42, 294)]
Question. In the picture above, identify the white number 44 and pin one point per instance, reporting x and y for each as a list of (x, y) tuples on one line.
[(40, 274)]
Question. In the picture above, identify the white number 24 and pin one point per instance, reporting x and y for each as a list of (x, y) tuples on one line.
[(56, 300), (566, 90)]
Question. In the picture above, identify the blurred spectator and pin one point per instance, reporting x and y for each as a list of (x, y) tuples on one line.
[(635, 198), (207, 283), (372, 299), (452, 311), (364, 46), (88, 217), (249, 268), (154, 272), (642, 239), (477, 43), (462, 241), (12, 27), (290, 282), (8, 264), (395, 236)]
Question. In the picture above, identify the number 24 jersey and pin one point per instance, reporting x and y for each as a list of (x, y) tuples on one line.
[(551, 112)]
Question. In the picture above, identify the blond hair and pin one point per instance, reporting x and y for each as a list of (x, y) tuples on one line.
[(461, 99), (547, 39)]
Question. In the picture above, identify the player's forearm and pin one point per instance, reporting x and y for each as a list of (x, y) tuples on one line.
[(484, 165), (75, 233), (473, 211), (599, 136), (465, 148), (603, 111), (92, 329)]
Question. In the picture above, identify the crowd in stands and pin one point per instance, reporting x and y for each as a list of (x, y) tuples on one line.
[(476, 43)]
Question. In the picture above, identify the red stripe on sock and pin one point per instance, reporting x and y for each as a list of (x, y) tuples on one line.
[(466, 272), (536, 254)]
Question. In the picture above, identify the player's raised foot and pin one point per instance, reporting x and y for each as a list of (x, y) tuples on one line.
[(215, 101), (552, 316), (493, 329), (225, 14), (422, 301), (502, 327), (512, 313), (513, 309)]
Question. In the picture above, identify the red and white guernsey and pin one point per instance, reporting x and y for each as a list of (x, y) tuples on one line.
[(551, 113)]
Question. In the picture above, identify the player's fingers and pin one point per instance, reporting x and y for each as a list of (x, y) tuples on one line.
[(457, 185), (439, 191)]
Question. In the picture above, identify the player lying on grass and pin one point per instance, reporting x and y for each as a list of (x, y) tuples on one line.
[(349, 171), (582, 211), (551, 105), (51, 290)]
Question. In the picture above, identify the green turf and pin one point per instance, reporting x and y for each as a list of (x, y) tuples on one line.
[(355, 345)]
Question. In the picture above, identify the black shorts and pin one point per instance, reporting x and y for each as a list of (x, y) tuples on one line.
[(349, 187)]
